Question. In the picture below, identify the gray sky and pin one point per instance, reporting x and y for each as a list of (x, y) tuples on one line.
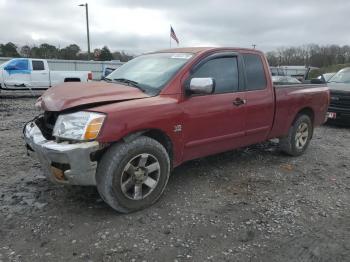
[(143, 25)]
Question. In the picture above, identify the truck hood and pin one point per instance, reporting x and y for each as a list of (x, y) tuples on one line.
[(339, 87), (71, 95)]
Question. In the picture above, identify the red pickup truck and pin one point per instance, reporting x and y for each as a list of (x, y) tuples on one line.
[(126, 134)]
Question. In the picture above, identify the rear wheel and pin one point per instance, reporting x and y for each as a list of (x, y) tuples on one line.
[(132, 176), (299, 136)]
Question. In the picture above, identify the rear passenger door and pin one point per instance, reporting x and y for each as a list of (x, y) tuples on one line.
[(215, 122), (40, 75), (259, 99)]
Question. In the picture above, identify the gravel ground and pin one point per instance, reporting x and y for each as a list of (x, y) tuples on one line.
[(252, 204)]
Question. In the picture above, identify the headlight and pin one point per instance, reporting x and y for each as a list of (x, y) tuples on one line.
[(78, 126)]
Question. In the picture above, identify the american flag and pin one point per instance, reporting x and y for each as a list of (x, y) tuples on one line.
[(173, 35)]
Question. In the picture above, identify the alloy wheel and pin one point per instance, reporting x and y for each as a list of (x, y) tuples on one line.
[(140, 176), (301, 136)]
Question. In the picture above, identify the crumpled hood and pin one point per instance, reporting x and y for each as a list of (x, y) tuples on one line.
[(339, 87), (70, 95)]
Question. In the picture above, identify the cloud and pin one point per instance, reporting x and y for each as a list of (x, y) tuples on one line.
[(143, 25)]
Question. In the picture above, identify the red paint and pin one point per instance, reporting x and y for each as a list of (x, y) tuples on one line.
[(210, 124), (74, 94)]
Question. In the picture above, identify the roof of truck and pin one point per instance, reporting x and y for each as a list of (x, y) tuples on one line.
[(195, 50)]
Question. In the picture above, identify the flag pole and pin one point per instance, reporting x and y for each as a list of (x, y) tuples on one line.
[(170, 37)]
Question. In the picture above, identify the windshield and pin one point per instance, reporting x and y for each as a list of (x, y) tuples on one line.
[(150, 72), (343, 76)]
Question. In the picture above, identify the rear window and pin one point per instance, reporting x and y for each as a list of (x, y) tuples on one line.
[(255, 73), (38, 65)]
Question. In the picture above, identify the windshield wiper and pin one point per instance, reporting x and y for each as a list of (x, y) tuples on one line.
[(129, 82)]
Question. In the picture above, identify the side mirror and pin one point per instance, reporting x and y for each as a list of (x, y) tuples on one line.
[(317, 81), (204, 85)]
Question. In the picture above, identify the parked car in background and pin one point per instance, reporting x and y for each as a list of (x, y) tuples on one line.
[(276, 71), (326, 77), (109, 69), (106, 72), (27, 73), (285, 80), (159, 110), (339, 108), (298, 72)]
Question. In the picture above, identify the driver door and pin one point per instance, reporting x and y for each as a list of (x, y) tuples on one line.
[(215, 122)]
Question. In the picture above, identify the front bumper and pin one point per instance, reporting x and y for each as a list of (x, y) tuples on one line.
[(343, 115), (63, 163)]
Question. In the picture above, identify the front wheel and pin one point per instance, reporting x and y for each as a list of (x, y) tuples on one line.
[(299, 136), (133, 175)]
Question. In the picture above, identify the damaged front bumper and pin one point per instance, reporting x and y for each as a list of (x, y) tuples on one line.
[(64, 162)]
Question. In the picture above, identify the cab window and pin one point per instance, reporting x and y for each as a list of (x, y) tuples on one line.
[(224, 71), (255, 73), (38, 65)]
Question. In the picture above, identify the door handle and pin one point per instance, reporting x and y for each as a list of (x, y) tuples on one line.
[(239, 101)]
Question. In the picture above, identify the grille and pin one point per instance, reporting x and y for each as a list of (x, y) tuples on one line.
[(46, 124), (340, 100)]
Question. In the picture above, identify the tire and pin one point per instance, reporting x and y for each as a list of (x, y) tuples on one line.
[(293, 146), (132, 176)]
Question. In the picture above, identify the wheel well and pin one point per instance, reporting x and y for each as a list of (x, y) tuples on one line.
[(162, 138), (157, 135), (306, 111), (72, 79)]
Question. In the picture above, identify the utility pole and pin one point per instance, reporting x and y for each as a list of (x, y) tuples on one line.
[(87, 27)]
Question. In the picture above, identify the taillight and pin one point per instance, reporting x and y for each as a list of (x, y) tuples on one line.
[(89, 76)]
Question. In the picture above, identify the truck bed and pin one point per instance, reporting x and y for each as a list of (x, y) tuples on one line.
[(290, 98)]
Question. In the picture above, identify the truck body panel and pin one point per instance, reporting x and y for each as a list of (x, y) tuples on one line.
[(197, 126), (63, 97), (294, 98)]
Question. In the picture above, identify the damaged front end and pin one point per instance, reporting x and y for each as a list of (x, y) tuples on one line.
[(64, 137), (64, 162)]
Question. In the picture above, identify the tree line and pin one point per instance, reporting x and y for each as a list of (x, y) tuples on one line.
[(70, 52), (306, 55), (310, 55)]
